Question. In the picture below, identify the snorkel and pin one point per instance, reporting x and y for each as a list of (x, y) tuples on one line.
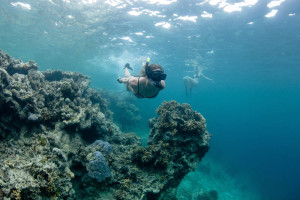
[(148, 61)]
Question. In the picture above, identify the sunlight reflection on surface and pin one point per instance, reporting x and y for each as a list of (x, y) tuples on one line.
[(24, 6), (272, 13), (273, 4)]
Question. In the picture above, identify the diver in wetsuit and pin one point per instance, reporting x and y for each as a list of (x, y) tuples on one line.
[(148, 84)]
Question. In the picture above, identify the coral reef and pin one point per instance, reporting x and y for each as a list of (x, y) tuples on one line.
[(97, 167), (177, 141), (58, 140), (100, 145), (125, 113)]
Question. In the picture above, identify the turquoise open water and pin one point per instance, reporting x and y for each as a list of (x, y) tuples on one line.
[(250, 48)]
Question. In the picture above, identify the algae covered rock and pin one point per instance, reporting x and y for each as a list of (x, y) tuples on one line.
[(102, 146), (49, 97), (47, 120), (177, 135), (177, 142), (58, 140), (97, 167)]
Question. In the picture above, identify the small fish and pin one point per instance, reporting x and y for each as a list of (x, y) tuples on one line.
[(127, 65)]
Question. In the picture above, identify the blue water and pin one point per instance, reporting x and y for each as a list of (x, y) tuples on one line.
[(252, 106)]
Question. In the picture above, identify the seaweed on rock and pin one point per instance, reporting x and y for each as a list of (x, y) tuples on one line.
[(58, 140)]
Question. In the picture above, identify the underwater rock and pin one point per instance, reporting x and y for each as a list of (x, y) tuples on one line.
[(59, 153), (13, 66), (30, 169), (97, 167), (52, 96), (102, 146), (177, 142), (34, 117), (58, 140)]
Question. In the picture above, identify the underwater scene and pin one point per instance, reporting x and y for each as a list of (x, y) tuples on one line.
[(149, 99)]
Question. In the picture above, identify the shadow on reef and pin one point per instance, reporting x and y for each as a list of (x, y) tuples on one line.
[(58, 141)]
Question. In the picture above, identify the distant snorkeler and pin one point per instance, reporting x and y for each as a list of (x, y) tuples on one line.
[(190, 82), (148, 83)]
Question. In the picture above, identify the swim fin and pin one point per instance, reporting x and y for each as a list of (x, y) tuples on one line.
[(127, 65)]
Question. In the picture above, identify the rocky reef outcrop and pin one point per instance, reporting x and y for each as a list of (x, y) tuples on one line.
[(58, 140), (177, 141)]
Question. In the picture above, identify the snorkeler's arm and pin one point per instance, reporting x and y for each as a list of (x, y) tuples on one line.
[(122, 80), (207, 77), (132, 84), (163, 83)]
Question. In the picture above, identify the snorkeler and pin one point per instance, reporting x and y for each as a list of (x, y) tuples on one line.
[(148, 84), (190, 82)]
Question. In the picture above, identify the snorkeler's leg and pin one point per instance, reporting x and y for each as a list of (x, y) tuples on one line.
[(127, 73), (126, 78), (207, 78)]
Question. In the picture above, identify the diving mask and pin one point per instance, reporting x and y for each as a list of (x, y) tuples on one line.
[(157, 75)]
